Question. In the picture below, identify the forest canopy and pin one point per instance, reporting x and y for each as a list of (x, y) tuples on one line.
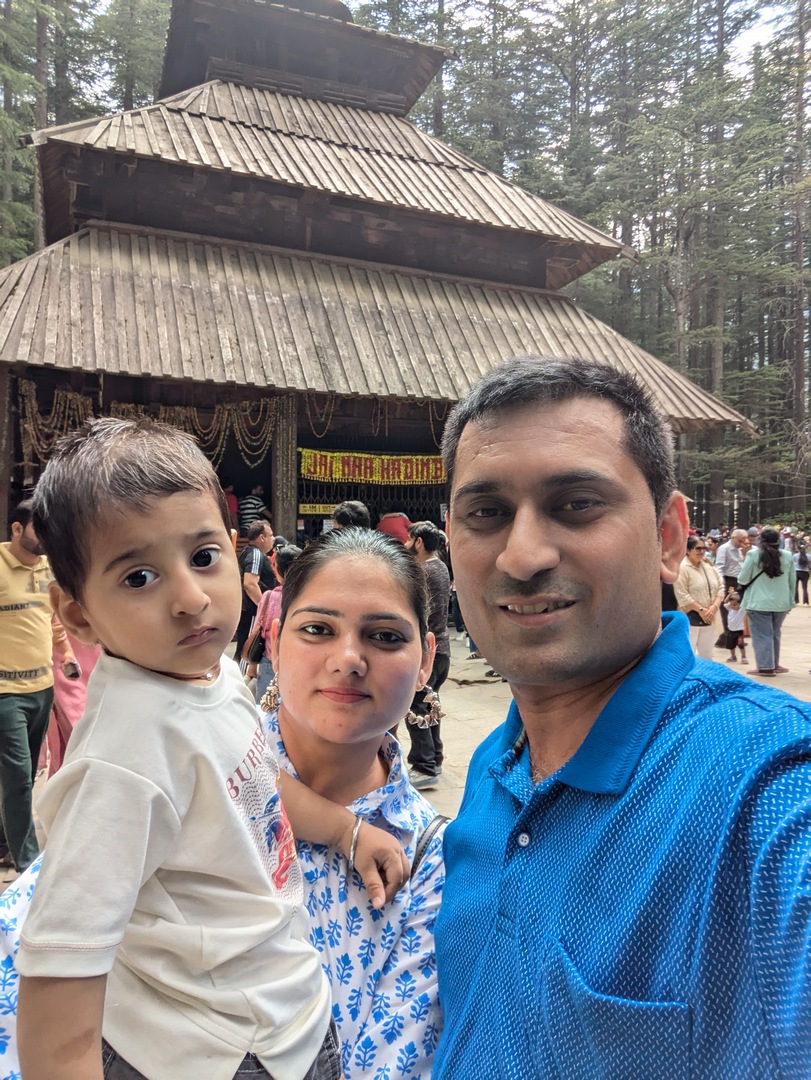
[(679, 127)]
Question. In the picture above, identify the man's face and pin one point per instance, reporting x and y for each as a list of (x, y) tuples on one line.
[(555, 545), (25, 543), (265, 540)]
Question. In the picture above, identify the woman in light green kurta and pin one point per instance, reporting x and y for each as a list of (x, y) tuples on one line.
[(769, 574)]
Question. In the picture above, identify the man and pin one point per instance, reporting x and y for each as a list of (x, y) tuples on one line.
[(26, 681), (627, 881), (427, 753), (257, 575), (728, 561), (252, 508), (351, 514)]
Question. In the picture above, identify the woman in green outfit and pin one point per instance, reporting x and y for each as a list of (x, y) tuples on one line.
[(769, 576)]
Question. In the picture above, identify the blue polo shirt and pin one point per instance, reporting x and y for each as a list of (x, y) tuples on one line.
[(644, 913)]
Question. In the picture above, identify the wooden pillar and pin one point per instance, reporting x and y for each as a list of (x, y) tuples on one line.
[(6, 447), (284, 468)]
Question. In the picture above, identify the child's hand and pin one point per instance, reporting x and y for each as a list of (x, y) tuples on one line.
[(379, 859)]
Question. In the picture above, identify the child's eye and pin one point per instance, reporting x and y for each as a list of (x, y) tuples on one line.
[(139, 578), (206, 556)]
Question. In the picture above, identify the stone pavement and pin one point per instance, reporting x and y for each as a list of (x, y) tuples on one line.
[(474, 704)]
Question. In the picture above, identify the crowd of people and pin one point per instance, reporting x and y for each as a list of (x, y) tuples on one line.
[(240, 890)]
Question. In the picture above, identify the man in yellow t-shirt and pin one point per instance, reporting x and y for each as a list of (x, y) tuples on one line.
[(26, 681)]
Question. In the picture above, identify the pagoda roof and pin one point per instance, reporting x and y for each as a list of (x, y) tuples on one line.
[(122, 300), (284, 40), (376, 158)]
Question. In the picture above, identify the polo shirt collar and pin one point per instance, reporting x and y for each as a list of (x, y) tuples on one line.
[(14, 562), (606, 760)]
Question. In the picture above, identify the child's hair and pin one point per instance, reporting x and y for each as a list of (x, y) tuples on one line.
[(112, 464), (733, 598)]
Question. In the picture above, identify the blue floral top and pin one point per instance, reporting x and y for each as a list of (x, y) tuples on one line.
[(380, 964)]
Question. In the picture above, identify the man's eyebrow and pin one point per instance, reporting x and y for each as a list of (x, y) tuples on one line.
[(575, 476), (143, 552)]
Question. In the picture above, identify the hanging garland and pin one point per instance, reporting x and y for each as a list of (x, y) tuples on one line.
[(433, 415), (68, 412), (323, 416), (252, 423)]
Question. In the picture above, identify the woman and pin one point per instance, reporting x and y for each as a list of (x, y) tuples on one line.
[(349, 650), (770, 580), (269, 609), (699, 593)]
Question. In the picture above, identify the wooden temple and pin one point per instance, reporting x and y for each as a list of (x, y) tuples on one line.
[(274, 258)]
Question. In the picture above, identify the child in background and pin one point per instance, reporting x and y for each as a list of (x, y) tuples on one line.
[(735, 625), (167, 915)]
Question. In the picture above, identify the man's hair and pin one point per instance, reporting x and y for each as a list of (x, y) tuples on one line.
[(21, 514), (738, 534), (433, 539), (112, 464), (541, 380), (257, 529), (352, 513)]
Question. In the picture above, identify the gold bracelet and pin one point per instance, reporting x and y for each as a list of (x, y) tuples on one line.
[(353, 843)]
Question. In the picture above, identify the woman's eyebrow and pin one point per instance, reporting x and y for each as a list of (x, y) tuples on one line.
[(372, 616)]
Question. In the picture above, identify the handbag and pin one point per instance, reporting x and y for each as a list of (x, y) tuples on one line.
[(254, 648)]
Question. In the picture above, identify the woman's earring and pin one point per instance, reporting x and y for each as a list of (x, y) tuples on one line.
[(271, 697), (434, 714)]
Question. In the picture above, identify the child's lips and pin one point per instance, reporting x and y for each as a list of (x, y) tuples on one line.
[(199, 637)]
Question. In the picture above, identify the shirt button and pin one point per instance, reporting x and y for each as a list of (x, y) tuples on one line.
[(523, 839)]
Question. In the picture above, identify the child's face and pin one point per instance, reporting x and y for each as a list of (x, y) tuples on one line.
[(163, 589)]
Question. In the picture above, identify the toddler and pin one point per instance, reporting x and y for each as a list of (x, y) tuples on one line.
[(167, 916), (735, 622)]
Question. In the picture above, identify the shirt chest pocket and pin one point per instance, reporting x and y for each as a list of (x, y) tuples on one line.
[(594, 1035)]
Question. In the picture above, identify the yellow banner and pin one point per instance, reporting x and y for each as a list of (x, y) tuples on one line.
[(338, 468), (318, 509)]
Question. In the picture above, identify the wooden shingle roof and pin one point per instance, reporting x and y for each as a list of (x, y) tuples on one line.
[(134, 301), (374, 157)]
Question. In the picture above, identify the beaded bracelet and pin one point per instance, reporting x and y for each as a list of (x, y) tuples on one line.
[(353, 843)]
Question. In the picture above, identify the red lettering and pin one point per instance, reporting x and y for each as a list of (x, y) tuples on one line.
[(408, 470), (254, 758), (233, 790), (244, 779)]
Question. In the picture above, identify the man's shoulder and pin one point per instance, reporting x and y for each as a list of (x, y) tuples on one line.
[(719, 704)]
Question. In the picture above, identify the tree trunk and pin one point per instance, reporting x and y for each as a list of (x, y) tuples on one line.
[(40, 120)]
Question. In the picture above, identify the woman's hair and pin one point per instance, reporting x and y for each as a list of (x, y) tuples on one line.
[(359, 544), (285, 557), (770, 552), (433, 539), (692, 542), (803, 557)]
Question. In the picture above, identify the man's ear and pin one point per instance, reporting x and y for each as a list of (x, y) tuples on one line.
[(71, 614), (673, 531)]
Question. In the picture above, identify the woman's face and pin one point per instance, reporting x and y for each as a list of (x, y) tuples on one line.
[(697, 553), (349, 656)]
